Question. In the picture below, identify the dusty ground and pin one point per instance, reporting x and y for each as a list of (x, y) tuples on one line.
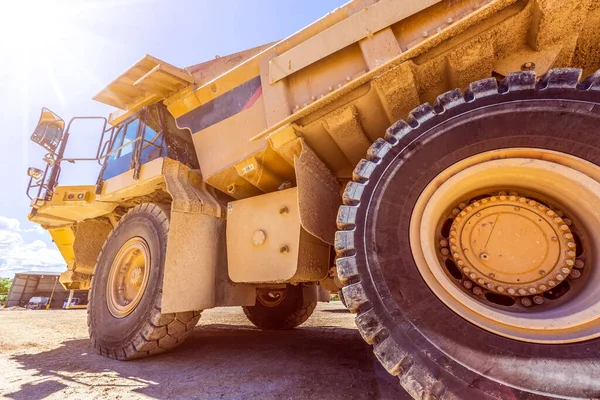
[(46, 354)]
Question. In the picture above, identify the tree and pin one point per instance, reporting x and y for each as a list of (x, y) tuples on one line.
[(5, 285)]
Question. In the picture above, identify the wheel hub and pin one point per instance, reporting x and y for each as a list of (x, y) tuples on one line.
[(512, 245)]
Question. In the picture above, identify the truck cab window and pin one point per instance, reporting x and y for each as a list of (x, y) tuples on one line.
[(121, 151)]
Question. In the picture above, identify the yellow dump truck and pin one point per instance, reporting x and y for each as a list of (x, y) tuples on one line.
[(436, 160)]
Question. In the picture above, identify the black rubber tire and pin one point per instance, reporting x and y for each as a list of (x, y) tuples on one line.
[(415, 336), (290, 313), (146, 331)]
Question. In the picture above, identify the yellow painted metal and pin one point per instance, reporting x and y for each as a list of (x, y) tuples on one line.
[(63, 238), (146, 82), (564, 181), (128, 277), (285, 252), (346, 32), (512, 245)]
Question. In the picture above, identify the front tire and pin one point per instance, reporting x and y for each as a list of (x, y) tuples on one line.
[(280, 309), (124, 313), (436, 352)]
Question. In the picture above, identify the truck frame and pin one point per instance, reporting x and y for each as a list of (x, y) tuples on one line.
[(344, 159)]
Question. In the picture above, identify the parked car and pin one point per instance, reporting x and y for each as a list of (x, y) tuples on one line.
[(37, 303), (74, 302)]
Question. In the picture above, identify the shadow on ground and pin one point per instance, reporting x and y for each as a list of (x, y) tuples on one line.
[(224, 361)]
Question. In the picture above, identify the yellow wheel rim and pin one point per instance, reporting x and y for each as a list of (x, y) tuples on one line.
[(512, 219), (128, 277)]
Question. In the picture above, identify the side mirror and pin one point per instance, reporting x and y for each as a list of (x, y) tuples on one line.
[(49, 130), (35, 173)]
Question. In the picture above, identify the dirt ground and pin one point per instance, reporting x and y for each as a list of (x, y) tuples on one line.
[(46, 354)]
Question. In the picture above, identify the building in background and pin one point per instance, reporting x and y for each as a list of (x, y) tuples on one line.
[(27, 285)]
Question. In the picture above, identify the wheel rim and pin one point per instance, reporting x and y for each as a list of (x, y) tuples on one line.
[(271, 297), (510, 203), (128, 277)]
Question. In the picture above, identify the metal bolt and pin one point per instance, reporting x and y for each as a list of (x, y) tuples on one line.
[(564, 228), (444, 243), (460, 262), (550, 213), (445, 251), (511, 291), (517, 209), (532, 203), (579, 264), (456, 211), (538, 300), (477, 291), (528, 66), (554, 238), (231, 189), (522, 200), (481, 281), (570, 253), (542, 288), (575, 274), (542, 272), (565, 270), (466, 270), (532, 291), (468, 284), (284, 210), (526, 301), (259, 237), (284, 249), (570, 263), (502, 198), (492, 275), (500, 289), (502, 193), (568, 236), (472, 276), (559, 277), (571, 245), (462, 205), (551, 283), (522, 292)]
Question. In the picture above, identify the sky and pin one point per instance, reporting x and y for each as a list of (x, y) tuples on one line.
[(59, 53)]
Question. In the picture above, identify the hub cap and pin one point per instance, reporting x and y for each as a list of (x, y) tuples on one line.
[(128, 277), (512, 245), (506, 240)]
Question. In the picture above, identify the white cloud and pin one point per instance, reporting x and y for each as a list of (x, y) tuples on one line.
[(14, 224), (16, 255)]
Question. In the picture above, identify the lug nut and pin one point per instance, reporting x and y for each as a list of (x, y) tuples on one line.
[(477, 291), (538, 300), (575, 274), (579, 264), (568, 222), (526, 301), (468, 284), (445, 251), (444, 243)]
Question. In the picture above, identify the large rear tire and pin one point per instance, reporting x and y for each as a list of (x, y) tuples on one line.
[(417, 333), (280, 309), (124, 313)]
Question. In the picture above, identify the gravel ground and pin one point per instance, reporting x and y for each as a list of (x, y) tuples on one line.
[(46, 354)]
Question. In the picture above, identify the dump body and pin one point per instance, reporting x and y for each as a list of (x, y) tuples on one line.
[(299, 115)]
